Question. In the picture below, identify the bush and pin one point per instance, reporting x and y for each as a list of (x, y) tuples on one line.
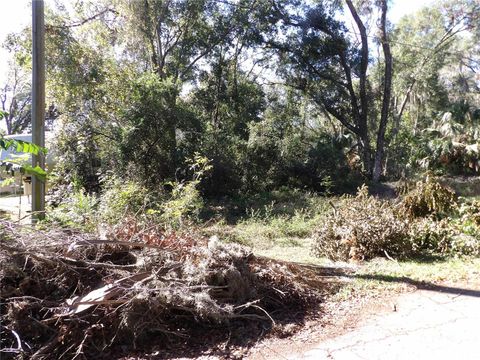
[(77, 211), (470, 212), (432, 236), (362, 227), (186, 201), (121, 199), (444, 237), (126, 204), (429, 197)]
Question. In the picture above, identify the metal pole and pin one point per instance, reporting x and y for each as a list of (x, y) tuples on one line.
[(38, 105)]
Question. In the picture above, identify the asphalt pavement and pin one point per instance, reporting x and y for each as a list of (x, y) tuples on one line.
[(443, 323)]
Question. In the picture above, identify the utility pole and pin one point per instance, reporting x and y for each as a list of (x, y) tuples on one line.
[(38, 105)]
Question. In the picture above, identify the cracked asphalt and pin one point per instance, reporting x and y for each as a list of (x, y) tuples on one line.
[(425, 324)]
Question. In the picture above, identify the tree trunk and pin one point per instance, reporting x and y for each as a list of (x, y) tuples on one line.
[(366, 152), (362, 116), (387, 89)]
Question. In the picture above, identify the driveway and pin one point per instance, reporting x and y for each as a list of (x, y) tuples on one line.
[(15, 205), (442, 323)]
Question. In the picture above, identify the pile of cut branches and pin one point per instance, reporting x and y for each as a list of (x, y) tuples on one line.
[(361, 228), (71, 295)]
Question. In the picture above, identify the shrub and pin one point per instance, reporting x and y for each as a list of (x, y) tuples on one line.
[(121, 199), (361, 228), (431, 236), (470, 212), (131, 203), (77, 211), (186, 201), (429, 197), (444, 237)]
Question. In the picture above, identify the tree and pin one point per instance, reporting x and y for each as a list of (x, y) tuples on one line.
[(435, 51), (15, 100), (425, 43), (320, 58), (386, 94), (176, 36)]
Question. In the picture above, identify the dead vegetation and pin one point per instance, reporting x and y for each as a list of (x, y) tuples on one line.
[(68, 295), (427, 221), (362, 227), (429, 197)]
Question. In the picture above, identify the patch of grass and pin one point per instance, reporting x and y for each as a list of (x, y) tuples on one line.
[(281, 238), (451, 269), (262, 206), (276, 219), (300, 252), (380, 276)]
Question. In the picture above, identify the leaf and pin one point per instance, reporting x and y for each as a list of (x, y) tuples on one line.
[(12, 165), (22, 146)]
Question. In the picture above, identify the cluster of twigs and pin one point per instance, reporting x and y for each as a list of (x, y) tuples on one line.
[(68, 295)]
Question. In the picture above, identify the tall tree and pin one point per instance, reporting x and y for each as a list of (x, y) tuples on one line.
[(386, 93), (425, 43), (15, 101), (321, 58)]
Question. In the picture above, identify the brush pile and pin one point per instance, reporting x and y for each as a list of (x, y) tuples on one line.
[(361, 228), (428, 220), (68, 295)]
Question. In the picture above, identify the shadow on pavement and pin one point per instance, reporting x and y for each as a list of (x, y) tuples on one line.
[(421, 285), (347, 272)]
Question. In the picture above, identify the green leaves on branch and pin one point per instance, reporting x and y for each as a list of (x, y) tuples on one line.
[(37, 171), (22, 146), (27, 148)]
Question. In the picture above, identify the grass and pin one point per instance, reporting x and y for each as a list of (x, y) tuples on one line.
[(280, 226), (264, 206), (277, 225)]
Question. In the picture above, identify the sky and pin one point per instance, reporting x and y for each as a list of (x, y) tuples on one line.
[(18, 13)]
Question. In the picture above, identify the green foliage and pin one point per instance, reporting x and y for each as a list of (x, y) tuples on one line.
[(143, 85), (445, 237), (12, 165), (21, 146), (185, 201), (148, 138), (78, 211), (282, 151), (228, 105), (450, 146), (364, 227), (77, 154), (175, 208), (121, 199), (275, 224), (26, 147), (429, 82), (470, 211)]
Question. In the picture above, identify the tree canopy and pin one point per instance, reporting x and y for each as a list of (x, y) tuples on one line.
[(278, 93)]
